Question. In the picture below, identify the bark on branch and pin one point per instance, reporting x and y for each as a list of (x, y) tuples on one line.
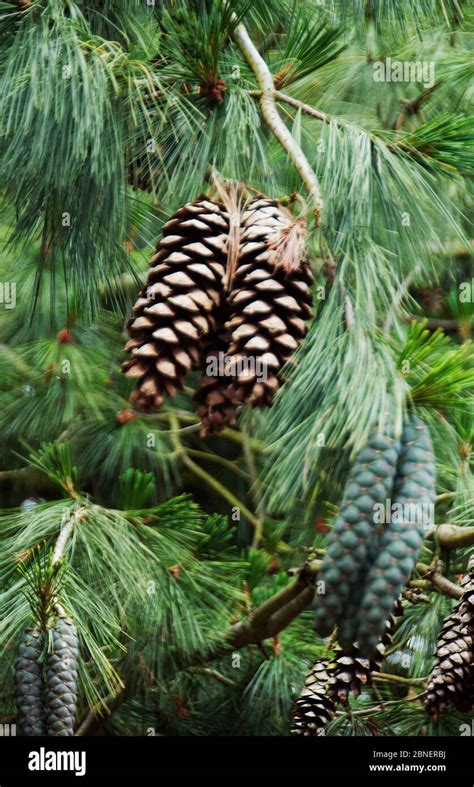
[(66, 533), (440, 582), (453, 536), (273, 120), (275, 614), (22, 5)]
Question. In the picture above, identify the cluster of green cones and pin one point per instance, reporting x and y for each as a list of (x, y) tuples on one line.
[(369, 561), (46, 682)]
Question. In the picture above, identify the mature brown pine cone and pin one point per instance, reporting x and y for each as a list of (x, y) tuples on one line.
[(176, 307), (452, 677), (269, 303), (352, 671), (215, 406), (314, 707)]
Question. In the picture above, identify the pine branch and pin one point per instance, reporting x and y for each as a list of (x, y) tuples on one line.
[(208, 479), (66, 533), (215, 674), (440, 582), (452, 536), (273, 119), (388, 678), (433, 323), (271, 617), (412, 106), (294, 102), (264, 622), (94, 718)]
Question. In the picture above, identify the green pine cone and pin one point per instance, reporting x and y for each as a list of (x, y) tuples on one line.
[(61, 696), (414, 494), (349, 550), (29, 684)]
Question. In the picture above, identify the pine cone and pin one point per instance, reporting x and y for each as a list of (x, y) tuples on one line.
[(61, 696), (402, 538), (175, 308), (352, 671), (314, 707), (349, 549), (452, 677), (215, 406), (269, 304), (331, 681), (29, 684)]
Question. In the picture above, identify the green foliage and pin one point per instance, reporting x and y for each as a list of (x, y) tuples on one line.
[(445, 140), (88, 91), (308, 44)]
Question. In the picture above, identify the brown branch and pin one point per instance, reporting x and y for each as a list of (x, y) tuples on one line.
[(307, 109), (66, 533), (411, 107), (438, 581), (276, 613), (280, 610), (94, 717), (252, 630), (452, 536), (22, 5)]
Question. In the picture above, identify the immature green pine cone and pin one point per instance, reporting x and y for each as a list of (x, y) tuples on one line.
[(29, 684), (350, 543), (61, 695), (414, 495)]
